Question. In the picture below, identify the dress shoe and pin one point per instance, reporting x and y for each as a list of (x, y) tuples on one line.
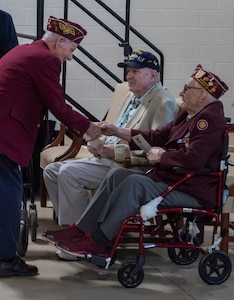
[(17, 267), (81, 247), (64, 234)]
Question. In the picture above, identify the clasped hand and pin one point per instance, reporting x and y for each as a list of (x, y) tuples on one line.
[(104, 150), (154, 155), (107, 128), (94, 131)]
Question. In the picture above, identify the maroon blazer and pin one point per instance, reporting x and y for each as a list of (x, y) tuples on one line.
[(29, 85), (195, 144)]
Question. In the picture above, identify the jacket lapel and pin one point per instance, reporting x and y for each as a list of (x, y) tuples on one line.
[(180, 130)]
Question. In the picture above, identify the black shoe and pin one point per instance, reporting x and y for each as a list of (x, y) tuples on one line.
[(17, 267)]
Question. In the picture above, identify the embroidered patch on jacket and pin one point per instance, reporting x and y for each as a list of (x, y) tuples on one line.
[(202, 124)]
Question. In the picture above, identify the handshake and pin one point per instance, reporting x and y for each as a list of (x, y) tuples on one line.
[(103, 128), (95, 130)]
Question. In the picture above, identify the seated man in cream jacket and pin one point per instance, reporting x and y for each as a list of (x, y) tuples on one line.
[(146, 106)]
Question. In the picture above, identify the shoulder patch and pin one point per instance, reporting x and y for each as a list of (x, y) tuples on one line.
[(202, 124)]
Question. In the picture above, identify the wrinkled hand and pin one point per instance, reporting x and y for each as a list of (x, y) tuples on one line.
[(106, 151), (93, 131), (107, 129), (92, 149), (155, 154)]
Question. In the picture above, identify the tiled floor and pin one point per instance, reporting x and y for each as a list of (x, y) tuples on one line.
[(63, 280)]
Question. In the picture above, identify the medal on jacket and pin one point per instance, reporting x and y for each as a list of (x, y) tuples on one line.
[(184, 140)]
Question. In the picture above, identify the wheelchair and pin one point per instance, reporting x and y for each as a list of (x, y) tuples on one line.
[(28, 220), (176, 229)]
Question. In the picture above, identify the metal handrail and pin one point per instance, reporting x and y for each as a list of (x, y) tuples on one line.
[(128, 28), (27, 36), (123, 43)]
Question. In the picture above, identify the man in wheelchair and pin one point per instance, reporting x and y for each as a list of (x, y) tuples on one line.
[(193, 140)]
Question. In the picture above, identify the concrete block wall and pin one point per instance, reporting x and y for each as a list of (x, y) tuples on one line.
[(187, 32)]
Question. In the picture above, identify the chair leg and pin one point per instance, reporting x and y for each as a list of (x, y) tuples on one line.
[(55, 218), (43, 191), (225, 226)]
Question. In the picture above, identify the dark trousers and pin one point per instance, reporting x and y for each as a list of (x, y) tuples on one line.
[(120, 195), (10, 206)]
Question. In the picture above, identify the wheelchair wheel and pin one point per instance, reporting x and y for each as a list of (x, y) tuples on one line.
[(215, 267), (33, 224), (126, 279), (23, 235), (23, 239), (184, 256)]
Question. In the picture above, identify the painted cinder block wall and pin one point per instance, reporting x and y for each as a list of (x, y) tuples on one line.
[(187, 32)]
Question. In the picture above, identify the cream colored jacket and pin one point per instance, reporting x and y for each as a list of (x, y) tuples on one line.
[(157, 109)]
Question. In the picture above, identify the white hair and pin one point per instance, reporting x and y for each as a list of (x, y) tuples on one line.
[(52, 36), (210, 97)]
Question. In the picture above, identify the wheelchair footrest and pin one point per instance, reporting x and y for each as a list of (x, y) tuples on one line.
[(98, 260)]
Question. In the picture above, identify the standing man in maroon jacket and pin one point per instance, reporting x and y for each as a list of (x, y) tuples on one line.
[(29, 86)]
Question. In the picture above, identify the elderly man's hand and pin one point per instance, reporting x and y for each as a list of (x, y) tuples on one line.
[(93, 132), (155, 154), (106, 151), (92, 149), (107, 129)]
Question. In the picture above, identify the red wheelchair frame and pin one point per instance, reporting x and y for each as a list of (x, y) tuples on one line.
[(183, 246)]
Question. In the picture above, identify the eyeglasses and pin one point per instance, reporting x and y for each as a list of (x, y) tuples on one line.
[(186, 88)]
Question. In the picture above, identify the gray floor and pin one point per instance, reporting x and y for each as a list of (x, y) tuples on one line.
[(62, 280)]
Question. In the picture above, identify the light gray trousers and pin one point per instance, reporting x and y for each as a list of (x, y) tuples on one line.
[(120, 195), (68, 182)]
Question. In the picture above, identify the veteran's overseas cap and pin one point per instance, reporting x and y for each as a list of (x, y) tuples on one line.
[(211, 82), (67, 29)]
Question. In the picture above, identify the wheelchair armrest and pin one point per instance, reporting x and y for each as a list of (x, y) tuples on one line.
[(180, 170)]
